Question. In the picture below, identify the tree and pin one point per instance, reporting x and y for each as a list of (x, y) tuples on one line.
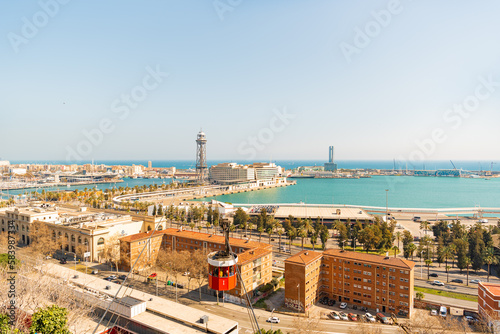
[(199, 268), (467, 263), (461, 250), (111, 250), (302, 233), (314, 238), (489, 259), (420, 295), (52, 319), (292, 234), (240, 218), (447, 253), (428, 263), (43, 242), (395, 249), (269, 231)]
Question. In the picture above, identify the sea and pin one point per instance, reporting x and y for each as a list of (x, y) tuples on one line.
[(402, 191)]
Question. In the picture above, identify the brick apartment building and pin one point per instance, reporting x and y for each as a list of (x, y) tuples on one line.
[(488, 303), (254, 258), (376, 282)]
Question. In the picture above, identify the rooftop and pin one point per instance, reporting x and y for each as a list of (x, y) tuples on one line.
[(492, 288), (365, 257), (304, 257)]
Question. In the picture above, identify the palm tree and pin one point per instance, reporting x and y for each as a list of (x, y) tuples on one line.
[(489, 259), (260, 230), (301, 232), (424, 226), (467, 264), (453, 250), (411, 249), (269, 231), (250, 227), (395, 249), (279, 232), (447, 254), (292, 234), (192, 225), (398, 236), (428, 263)]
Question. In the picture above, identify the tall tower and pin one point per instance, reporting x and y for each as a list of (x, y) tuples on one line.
[(330, 165), (201, 157), (330, 156)]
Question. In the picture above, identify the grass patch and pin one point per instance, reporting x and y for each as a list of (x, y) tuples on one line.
[(373, 251), (449, 294), (260, 304)]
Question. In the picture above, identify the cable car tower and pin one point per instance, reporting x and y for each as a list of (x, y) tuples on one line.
[(223, 273), (201, 157)]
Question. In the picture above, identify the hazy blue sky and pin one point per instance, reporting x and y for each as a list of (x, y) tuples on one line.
[(373, 78)]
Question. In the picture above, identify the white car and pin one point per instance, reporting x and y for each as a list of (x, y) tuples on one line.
[(475, 281), (186, 273), (334, 315), (343, 305), (438, 283), (274, 320), (370, 317), (434, 312), (343, 316)]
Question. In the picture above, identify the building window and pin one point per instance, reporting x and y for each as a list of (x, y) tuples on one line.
[(100, 241)]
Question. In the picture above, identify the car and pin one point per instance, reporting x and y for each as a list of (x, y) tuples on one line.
[(63, 261), (438, 283), (433, 275), (352, 317), (108, 279), (434, 312), (416, 219), (331, 302), (343, 305), (274, 320), (457, 280), (475, 281), (335, 315), (122, 277), (186, 273), (471, 320), (382, 318), (343, 316), (369, 317), (443, 311), (95, 272), (113, 277)]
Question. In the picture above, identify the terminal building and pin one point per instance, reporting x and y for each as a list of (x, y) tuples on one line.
[(260, 173), (254, 258), (382, 284)]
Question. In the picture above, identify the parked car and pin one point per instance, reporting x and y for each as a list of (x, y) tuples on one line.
[(471, 320), (122, 277), (434, 312), (343, 305), (416, 219), (95, 272), (433, 275), (108, 279), (352, 317), (186, 273), (63, 261), (457, 280), (335, 315), (343, 316), (370, 318), (331, 302), (274, 320), (438, 283), (443, 311), (113, 277), (382, 318), (475, 281)]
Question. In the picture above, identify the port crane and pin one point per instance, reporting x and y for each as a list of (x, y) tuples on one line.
[(453, 165)]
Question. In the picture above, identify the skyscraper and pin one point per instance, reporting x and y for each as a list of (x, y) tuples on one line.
[(201, 157)]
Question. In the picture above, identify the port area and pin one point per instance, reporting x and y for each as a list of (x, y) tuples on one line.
[(175, 196)]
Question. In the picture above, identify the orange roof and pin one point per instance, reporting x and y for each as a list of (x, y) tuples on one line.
[(235, 242), (304, 257), (252, 254), (376, 259), (493, 289)]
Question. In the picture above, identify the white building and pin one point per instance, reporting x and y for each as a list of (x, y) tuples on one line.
[(232, 173)]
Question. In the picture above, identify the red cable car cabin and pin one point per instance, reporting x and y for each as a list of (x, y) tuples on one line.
[(222, 271)]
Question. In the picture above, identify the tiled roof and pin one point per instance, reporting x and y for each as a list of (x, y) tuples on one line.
[(252, 254), (493, 289), (364, 257), (304, 257)]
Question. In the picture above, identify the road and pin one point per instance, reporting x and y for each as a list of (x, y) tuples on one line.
[(472, 290)]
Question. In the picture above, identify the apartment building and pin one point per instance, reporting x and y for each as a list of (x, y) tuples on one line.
[(382, 284), (488, 303), (254, 258), (262, 174)]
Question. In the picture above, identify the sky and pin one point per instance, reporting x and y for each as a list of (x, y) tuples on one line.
[(283, 79)]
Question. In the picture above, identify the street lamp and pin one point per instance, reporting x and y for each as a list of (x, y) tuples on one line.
[(421, 264), (298, 290), (272, 319)]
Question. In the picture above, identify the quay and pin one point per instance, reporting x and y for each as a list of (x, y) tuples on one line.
[(23, 185)]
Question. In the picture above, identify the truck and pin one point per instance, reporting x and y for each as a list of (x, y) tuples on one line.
[(443, 311)]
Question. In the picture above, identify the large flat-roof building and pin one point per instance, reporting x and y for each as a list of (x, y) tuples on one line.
[(254, 258), (233, 173), (382, 284)]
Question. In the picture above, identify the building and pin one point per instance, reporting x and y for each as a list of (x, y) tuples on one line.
[(382, 284), (254, 258), (488, 303), (75, 230), (259, 172), (331, 165)]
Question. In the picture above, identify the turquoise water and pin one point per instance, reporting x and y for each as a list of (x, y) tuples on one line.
[(408, 192), (404, 191)]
